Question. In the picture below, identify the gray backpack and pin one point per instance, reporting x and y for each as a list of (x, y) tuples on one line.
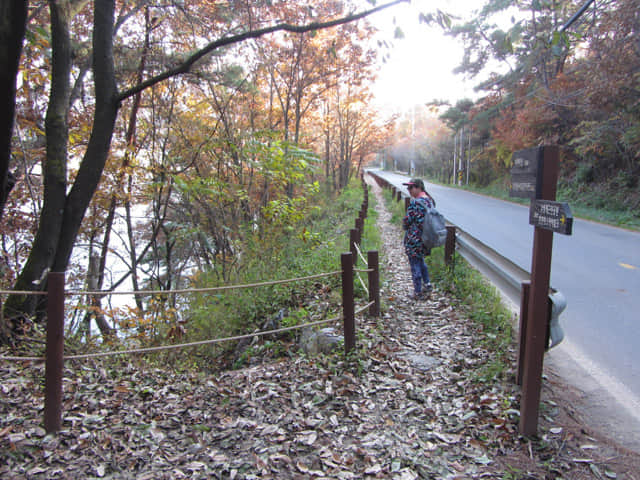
[(434, 230)]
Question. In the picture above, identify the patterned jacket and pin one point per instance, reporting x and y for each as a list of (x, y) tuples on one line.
[(412, 224)]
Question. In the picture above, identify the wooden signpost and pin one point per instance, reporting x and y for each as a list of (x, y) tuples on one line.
[(535, 175)]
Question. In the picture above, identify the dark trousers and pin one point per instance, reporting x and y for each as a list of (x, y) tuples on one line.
[(419, 273)]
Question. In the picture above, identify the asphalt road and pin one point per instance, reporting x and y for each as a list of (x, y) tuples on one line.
[(597, 269)]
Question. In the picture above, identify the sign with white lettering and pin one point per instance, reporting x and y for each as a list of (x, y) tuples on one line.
[(526, 173), (555, 216)]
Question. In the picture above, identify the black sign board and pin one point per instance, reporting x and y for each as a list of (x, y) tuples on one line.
[(555, 216), (526, 173)]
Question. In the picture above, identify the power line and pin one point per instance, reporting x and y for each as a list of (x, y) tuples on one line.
[(576, 15)]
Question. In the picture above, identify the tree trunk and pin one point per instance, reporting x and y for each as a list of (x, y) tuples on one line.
[(131, 144), (104, 121), (19, 309), (94, 280), (56, 233), (13, 22)]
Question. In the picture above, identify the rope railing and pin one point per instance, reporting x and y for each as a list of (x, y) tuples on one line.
[(364, 260), (23, 359), (173, 292), (22, 292), (211, 289), (170, 292), (363, 270), (134, 351), (362, 284), (358, 271), (178, 345), (185, 345), (364, 307)]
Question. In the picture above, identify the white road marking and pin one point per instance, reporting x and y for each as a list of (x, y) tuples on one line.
[(625, 397)]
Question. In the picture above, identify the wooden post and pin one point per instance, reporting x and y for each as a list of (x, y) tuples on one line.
[(374, 283), (538, 308), (348, 308), (54, 352), (450, 245), (353, 240)]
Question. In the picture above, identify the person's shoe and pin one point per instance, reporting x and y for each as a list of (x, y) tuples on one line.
[(428, 288), (415, 296)]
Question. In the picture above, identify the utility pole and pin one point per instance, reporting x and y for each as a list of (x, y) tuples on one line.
[(460, 157), (412, 168), (455, 157), (469, 157)]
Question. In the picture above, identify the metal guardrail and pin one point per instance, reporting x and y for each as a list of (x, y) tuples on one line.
[(509, 277), (481, 255)]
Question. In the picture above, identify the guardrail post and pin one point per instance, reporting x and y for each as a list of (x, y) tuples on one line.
[(450, 245), (54, 352), (407, 201), (348, 308), (374, 283)]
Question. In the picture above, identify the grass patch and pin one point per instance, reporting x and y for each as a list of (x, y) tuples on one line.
[(396, 207)]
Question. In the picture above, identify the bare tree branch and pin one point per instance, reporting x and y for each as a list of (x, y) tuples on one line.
[(223, 42)]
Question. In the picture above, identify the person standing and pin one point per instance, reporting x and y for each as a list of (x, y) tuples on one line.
[(415, 250)]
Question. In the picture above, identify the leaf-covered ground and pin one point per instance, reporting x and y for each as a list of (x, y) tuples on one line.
[(410, 405)]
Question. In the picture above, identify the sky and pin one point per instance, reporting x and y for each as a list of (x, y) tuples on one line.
[(420, 66)]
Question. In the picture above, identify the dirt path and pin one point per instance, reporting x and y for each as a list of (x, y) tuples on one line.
[(408, 406)]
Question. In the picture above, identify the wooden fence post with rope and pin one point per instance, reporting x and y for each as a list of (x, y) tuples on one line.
[(348, 312), (374, 283), (353, 242), (54, 352)]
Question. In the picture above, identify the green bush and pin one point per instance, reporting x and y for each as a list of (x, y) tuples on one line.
[(310, 245)]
